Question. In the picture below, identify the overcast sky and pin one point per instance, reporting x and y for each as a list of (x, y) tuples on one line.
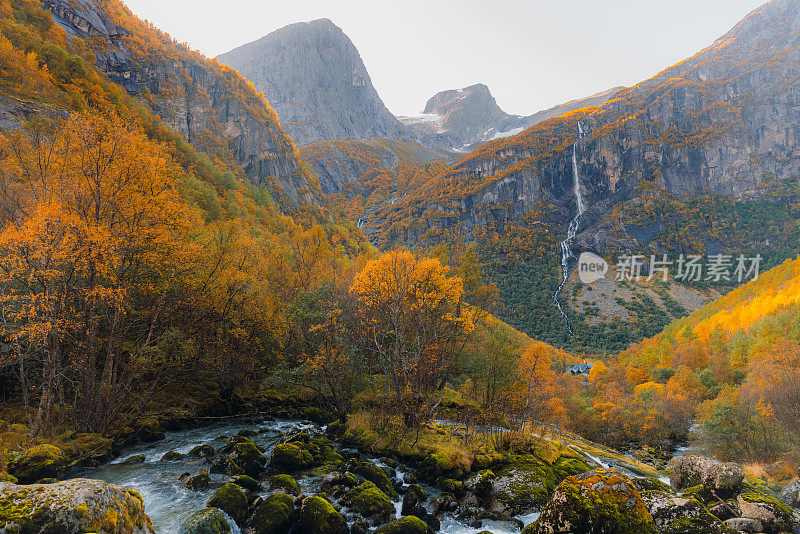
[(532, 54)]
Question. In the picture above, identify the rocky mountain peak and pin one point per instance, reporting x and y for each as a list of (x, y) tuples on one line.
[(315, 79)]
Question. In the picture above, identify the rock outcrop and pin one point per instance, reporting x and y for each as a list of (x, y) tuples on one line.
[(460, 119), (314, 77), (210, 105), (72, 507)]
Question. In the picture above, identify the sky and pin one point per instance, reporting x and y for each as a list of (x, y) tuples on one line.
[(533, 54)]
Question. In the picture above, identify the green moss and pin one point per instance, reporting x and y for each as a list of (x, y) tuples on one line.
[(246, 482), (318, 516), (230, 499), (288, 457), (273, 515), (285, 482), (41, 461), (405, 525), (448, 485), (597, 501), (248, 456), (172, 456), (369, 501), (376, 475), (208, 521), (201, 451), (199, 481)]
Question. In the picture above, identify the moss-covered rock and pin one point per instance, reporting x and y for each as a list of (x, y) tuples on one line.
[(286, 483), (376, 475), (199, 481), (172, 456), (774, 515), (369, 501), (405, 525), (201, 451), (226, 466), (600, 501), (230, 499), (72, 507), (318, 516), (688, 471), (681, 515), (249, 457), (289, 458), (135, 459), (274, 515), (246, 482), (448, 485), (246, 432), (207, 521), (528, 481), (41, 461)]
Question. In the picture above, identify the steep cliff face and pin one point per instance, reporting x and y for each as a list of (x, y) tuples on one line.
[(211, 106), (461, 119), (726, 121), (314, 77)]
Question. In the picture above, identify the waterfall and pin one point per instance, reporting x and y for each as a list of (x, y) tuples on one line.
[(572, 231)]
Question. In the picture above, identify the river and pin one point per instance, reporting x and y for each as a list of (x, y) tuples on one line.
[(168, 503)]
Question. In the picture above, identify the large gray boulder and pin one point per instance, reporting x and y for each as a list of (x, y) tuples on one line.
[(72, 507), (688, 471)]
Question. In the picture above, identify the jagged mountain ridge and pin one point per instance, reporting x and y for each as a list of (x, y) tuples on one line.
[(211, 106), (314, 77), (460, 119), (724, 121)]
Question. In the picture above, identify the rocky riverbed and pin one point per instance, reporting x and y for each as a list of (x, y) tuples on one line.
[(261, 475)]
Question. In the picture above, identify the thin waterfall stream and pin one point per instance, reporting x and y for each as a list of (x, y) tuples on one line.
[(572, 231)]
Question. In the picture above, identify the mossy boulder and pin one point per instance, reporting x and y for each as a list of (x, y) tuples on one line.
[(406, 525), (369, 501), (72, 507), (207, 521), (318, 516), (289, 458), (225, 466), (148, 430), (199, 481), (41, 461), (201, 451), (274, 515), (135, 459), (600, 501), (246, 432), (376, 475), (774, 515), (246, 482), (286, 483), (230, 499), (681, 515), (249, 457), (172, 456), (448, 485), (528, 481), (688, 471)]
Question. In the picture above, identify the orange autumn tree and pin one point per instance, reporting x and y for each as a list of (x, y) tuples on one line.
[(415, 324), (91, 222)]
